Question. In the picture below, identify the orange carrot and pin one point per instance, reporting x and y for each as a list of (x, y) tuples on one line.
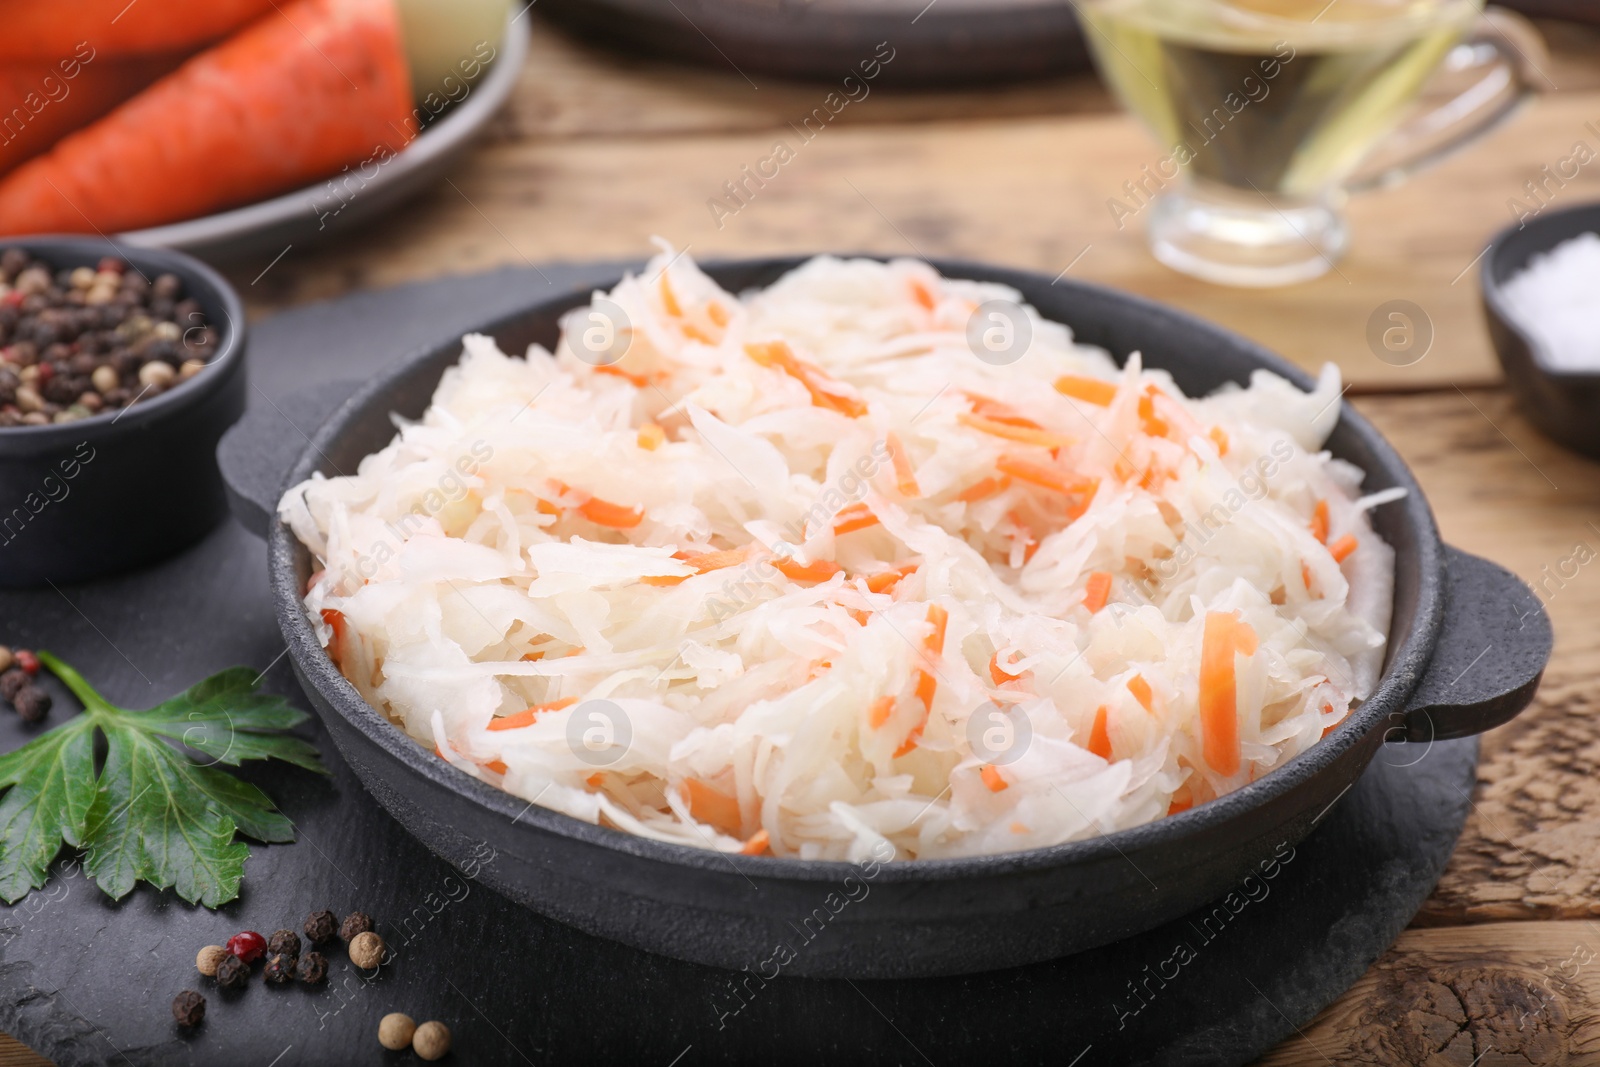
[(983, 489), (717, 314), (1000, 675), (1319, 521), (1098, 589), (933, 645), (1225, 637), (885, 581), (669, 302), (905, 479), (1220, 437), (1012, 432), (497, 766), (1141, 692), (42, 100), (106, 28), (851, 519), (1181, 801), (1341, 549), (1089, 390), (920, 293), (759, 842), (715, 561), (595, 780), (312, 87), (993, 778), (826, 391), (1099, 737), (651, 437), (1305, 574), (1046, 477), (712, 806), (341, 634), (820, 571), (1153, 424), (879, 713), (528, 716), (994, 410), (604, 513), (664, 579), (639, 380)]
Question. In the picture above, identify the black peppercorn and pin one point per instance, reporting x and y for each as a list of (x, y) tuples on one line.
[(283, 943), (279, 969), (32, 703), (188, 1008), (12, 682), (357, 922), (313, 968), (320, 926), (233, 973)]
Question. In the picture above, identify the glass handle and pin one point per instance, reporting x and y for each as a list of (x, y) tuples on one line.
[(1483, 80)]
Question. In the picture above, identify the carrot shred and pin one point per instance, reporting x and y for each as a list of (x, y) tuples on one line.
[(664, 579), (1013, 432), (1153, 424), (712, 806), (820, 571), (1089, 390), (910, 742), (1342, 548), (759, 842), (595, 780), (826, 391), (1319, 521), (669, 302), (1305, 574), (548, 507), (717, 314), (531, 657), (920, 293), (695, 333), (1219, 698), (1028, 470), (994, 410), (604, 513), (651, 437), (905, 479), (982, 490), (885, 581), (1097, 591), (715, 561), (615, 371), (1099, 736), (999, 673), (993, 778), (497, 766), (879, 713), (1219, 437), (1142, 693), (528, 716), (1180, 804), (851, 519)]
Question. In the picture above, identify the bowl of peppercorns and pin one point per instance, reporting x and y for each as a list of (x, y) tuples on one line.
[(120, 368)]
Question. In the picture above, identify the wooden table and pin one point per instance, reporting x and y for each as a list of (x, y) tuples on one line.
[(597, 153)]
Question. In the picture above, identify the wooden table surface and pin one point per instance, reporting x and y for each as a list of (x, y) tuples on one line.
[(596, 153)]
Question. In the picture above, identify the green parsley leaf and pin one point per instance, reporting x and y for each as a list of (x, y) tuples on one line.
[(152, 813)]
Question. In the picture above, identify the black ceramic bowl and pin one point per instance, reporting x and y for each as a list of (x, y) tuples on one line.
[(123, 488), (1469, 643), (1564, 404)]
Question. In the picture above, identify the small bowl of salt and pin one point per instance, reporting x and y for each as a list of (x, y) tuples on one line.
[(1541, 294)]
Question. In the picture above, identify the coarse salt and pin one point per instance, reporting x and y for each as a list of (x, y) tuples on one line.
[(1556, 300)]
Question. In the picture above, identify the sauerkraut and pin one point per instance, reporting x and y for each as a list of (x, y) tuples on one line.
[(810, 569)]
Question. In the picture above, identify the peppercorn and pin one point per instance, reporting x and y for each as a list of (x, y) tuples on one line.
[(7, 660), (13, 682), (247, 945), (208, 958), (188, 1008), (279, 969), (27, 661), (232, 972), (431, 1041), (313, 968), (283, 943), (357, 922), (366, 950), (320, 926), (32, 704), (395, 1031)]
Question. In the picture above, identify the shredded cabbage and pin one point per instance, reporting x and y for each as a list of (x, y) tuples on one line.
[(801, 573)]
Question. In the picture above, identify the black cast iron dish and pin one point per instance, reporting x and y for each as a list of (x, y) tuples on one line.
[(123, 488), (1469, 643), (1564, 404)]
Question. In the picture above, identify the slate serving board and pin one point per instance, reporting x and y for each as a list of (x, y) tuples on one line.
[(88, 981)]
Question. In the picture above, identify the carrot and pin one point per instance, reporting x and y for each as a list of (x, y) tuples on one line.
[(341, 634), (1305, 574), (1141, 692), (905, 479), (1153, 424), (759, 842), (528, 716), (820, 571), (933, 645), (315, 86), (884, 581), (664, 579), (712, 806), (1225, 637), (1027, 470), (1012, 432), (669, 302), (880, 711), (982, 490), (118, 28), (604, 513), (1000, 675), (615, 371), (994, 410), (1220, 437), (651, 437), (43, 100), (1099, 737), (993, 778), (497, 766), (826, 391), (1181, 801), (1098, 589), (715, 561), (717, 314), (595, 780), (1089, 390), (1319, 521), (1342, 548), (852, 519), (921, 294)]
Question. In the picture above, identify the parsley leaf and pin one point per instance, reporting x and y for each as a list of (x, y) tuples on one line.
[(152, 813)]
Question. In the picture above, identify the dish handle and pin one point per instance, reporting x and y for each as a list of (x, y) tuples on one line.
[(258, 452), (1490, 656)]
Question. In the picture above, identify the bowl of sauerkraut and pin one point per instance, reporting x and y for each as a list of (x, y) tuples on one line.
[(1035, 612)]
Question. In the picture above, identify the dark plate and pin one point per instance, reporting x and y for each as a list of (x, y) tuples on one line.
[(1564, 404), (1452, 612)]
